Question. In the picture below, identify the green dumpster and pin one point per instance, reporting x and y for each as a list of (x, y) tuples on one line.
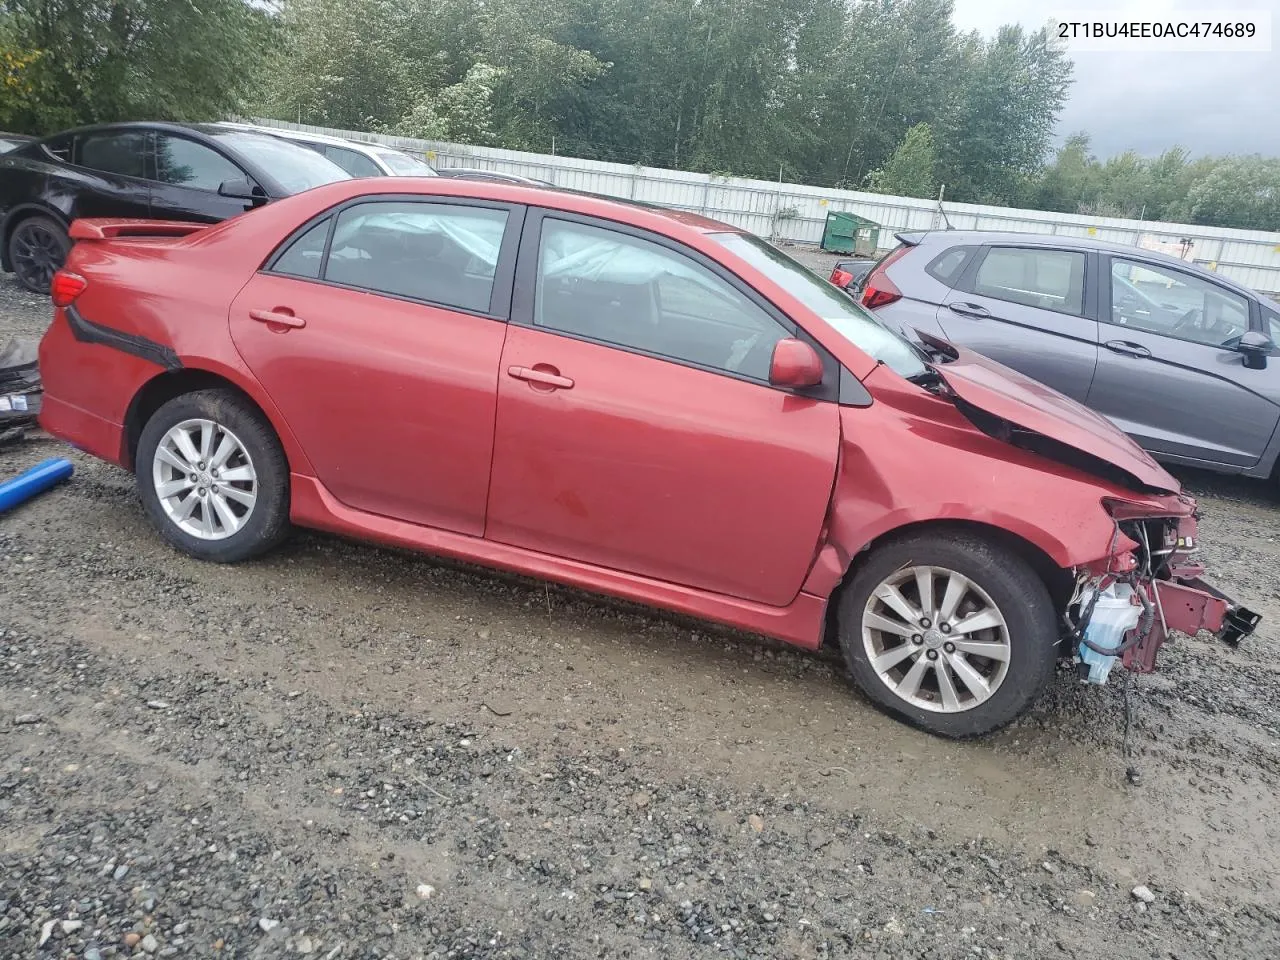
[(850, 233)]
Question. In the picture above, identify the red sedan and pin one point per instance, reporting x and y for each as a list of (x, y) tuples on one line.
[(639, 402)]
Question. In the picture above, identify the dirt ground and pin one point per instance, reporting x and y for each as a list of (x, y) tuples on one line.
[(347, 752)]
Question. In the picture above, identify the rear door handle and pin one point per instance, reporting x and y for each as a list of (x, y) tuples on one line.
[(970, 310), (1129, 349), (282, 316), (550, 377)]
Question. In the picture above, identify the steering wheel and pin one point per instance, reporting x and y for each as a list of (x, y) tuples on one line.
[(741, 350), (1191, 320)]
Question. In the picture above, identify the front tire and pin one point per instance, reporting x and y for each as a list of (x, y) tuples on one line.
[(213, 478), (38, 248), (953, 633)]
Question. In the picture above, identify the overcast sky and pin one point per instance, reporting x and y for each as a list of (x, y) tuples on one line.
[(1207, 102)]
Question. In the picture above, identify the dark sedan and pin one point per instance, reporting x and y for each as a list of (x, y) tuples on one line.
[(1179, 357), (197, 172)]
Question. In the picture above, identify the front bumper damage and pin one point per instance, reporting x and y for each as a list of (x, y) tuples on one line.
[(1153, 562)]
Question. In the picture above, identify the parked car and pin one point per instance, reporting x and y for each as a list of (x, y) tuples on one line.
[(491, 176), (642, 402), (11, 141), (357, 158), (849, 274), (1180, 358), (196, 172)]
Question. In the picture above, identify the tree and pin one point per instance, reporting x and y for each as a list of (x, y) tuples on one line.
[(461, 112), (95, 60), (909, 172), (996, 140), (1239, 192)]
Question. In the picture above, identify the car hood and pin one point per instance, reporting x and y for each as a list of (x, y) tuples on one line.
[(1033, 413)]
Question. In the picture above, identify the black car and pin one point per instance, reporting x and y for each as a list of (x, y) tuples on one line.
[(11, 141), (198, 172)]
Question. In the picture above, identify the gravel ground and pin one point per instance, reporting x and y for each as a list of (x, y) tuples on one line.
[(347, 752)]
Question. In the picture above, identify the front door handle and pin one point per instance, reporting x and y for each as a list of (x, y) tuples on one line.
[(1128, 348), (970, 310), (543, 374), (280, 316)]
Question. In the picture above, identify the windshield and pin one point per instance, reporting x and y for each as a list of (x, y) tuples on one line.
[(403, 165), (295, 168), (857, 325)]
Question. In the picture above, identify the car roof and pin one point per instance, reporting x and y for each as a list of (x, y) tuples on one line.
[(963, 237), (364, 146)]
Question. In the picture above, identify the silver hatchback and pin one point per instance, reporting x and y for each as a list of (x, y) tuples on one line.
[(1181, 359)]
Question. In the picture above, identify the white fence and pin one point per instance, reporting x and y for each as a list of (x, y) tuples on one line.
[(798, 213)]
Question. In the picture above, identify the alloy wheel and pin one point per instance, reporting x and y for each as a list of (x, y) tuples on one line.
[(936, 639), (38, 253), (205, 479)]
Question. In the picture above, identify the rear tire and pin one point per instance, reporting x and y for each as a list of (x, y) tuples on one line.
[(213, 477), (970, 659), (38, 247)]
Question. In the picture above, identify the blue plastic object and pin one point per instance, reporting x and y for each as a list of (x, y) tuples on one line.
[(35, 481), (1114, 615)]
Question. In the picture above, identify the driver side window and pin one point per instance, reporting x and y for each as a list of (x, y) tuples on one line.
[(1156, 299), (607, 286)]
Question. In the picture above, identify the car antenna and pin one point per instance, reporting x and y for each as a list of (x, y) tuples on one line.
[(945, 219)]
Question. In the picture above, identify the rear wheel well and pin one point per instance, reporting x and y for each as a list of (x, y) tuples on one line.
[(158, 391), (1058, 581)]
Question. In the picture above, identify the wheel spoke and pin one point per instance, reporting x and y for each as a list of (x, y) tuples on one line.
[(206, 441), (992, 651), (899, 604), (910, 685), (174, 487), (924, 586), (244, 497), (206, 520), (946, 686), (185, 508), (970, 677), (237, 475), (173, 460), (226, 448), (982, 620), (891, 658), (226, 516), (957, 587), (182, 440), (877, 622)]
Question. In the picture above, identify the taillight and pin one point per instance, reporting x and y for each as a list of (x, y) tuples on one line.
[(878, 289), (66, 287), (840, 278)]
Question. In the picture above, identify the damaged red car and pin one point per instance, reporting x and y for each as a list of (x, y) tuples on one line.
[(634, 401)]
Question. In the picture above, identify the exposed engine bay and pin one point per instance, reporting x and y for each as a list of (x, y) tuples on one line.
[(1126, 611)]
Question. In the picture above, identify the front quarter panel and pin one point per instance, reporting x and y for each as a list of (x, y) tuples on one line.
[(912, 458)]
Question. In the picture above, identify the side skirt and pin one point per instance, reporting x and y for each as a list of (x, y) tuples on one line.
[(800, 623)]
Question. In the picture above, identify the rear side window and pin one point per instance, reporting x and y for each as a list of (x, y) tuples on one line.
[(1048, 279), (305, 256), (948, 265), (124, 154), (438, 252), (355, 163)]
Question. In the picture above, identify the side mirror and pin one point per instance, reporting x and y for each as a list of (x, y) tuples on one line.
[(240, 189), (1255, 346), (795, 364)]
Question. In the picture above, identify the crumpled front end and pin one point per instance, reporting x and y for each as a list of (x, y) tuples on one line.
[(1127, 604)]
